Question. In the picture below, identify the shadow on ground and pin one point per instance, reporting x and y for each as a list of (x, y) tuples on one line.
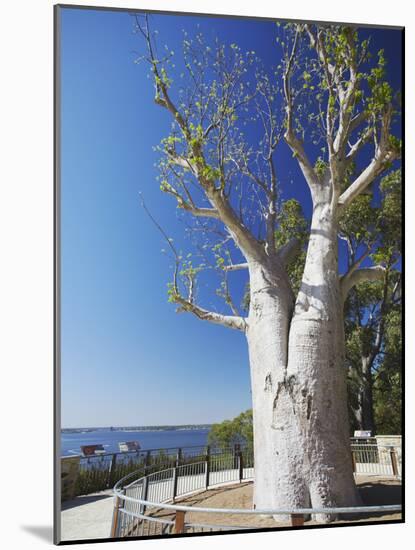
[(79, 501), (375, 494)]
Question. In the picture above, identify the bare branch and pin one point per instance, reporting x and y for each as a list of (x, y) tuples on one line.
[(167, 239), (305, 165), (227, 296), (230, 321), (184, 163), (189, 205), (384, 154), (329, 74), (356, 263), (246, 170), (348, 281), (235, 322), (294, 143), (197, 163), (347, 97), (357, 120), (271, 215), (374, 168), (364, 138), (200, 212), (235, 267)]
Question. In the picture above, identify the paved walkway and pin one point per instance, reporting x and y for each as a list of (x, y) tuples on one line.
[(87, 517)]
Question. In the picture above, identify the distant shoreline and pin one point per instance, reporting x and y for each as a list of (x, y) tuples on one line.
[(179, 427)]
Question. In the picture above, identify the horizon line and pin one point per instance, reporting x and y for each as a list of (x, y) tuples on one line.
[(135, 426)]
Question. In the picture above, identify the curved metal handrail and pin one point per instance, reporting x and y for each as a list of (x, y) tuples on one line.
[(265, 511)]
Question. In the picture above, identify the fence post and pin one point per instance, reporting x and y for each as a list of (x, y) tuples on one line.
[(353, 460), (241, 466), (115, 518), (70, 474), (236, 449), (175, 472), (297, 520), (147, 461), (394, 462), (179, 521), (207, 467), (111, 475), (174, 495), (145, 494)]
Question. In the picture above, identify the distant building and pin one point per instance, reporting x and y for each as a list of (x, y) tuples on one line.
[(129, 446), (92, 450)]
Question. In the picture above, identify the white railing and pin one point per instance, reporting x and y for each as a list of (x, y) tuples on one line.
[(375, 460), (136, 498)]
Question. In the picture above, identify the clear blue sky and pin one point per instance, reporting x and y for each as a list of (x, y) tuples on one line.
[(127, 357)]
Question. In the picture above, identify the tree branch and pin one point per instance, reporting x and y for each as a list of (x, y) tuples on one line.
[(364, 138), (357, 120), (294, 143), (356, 263), (384, 154), (236, 322), (184, 163), (348, 281), (199, 212), (201, 169), (235, 267), (347, 97), (271, 214), (369, 174), (382, 318), (289, 251), (230, 321), (306, 167), (189, 205)]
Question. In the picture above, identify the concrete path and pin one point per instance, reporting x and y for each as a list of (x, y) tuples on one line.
[(87, 517)]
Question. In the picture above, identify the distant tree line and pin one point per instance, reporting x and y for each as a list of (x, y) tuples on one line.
[(239, 430)]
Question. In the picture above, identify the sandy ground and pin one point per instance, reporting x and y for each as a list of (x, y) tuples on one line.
[(374, 491)]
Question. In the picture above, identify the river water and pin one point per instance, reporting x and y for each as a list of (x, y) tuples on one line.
[(71, 442)]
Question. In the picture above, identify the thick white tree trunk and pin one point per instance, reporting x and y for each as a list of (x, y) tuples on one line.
[(271, 306), (301, 429)]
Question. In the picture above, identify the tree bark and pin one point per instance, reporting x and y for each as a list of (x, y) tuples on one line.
[(271, 306), (301, 429)]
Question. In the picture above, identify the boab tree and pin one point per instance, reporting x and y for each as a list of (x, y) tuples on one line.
[(229, 118)]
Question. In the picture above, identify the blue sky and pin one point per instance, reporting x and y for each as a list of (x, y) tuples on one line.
[(127, 357)]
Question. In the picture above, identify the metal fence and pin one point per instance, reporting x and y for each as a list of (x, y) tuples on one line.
[(97, 473), (134, 497), (100, 472), (141, 503), (374, 460)]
